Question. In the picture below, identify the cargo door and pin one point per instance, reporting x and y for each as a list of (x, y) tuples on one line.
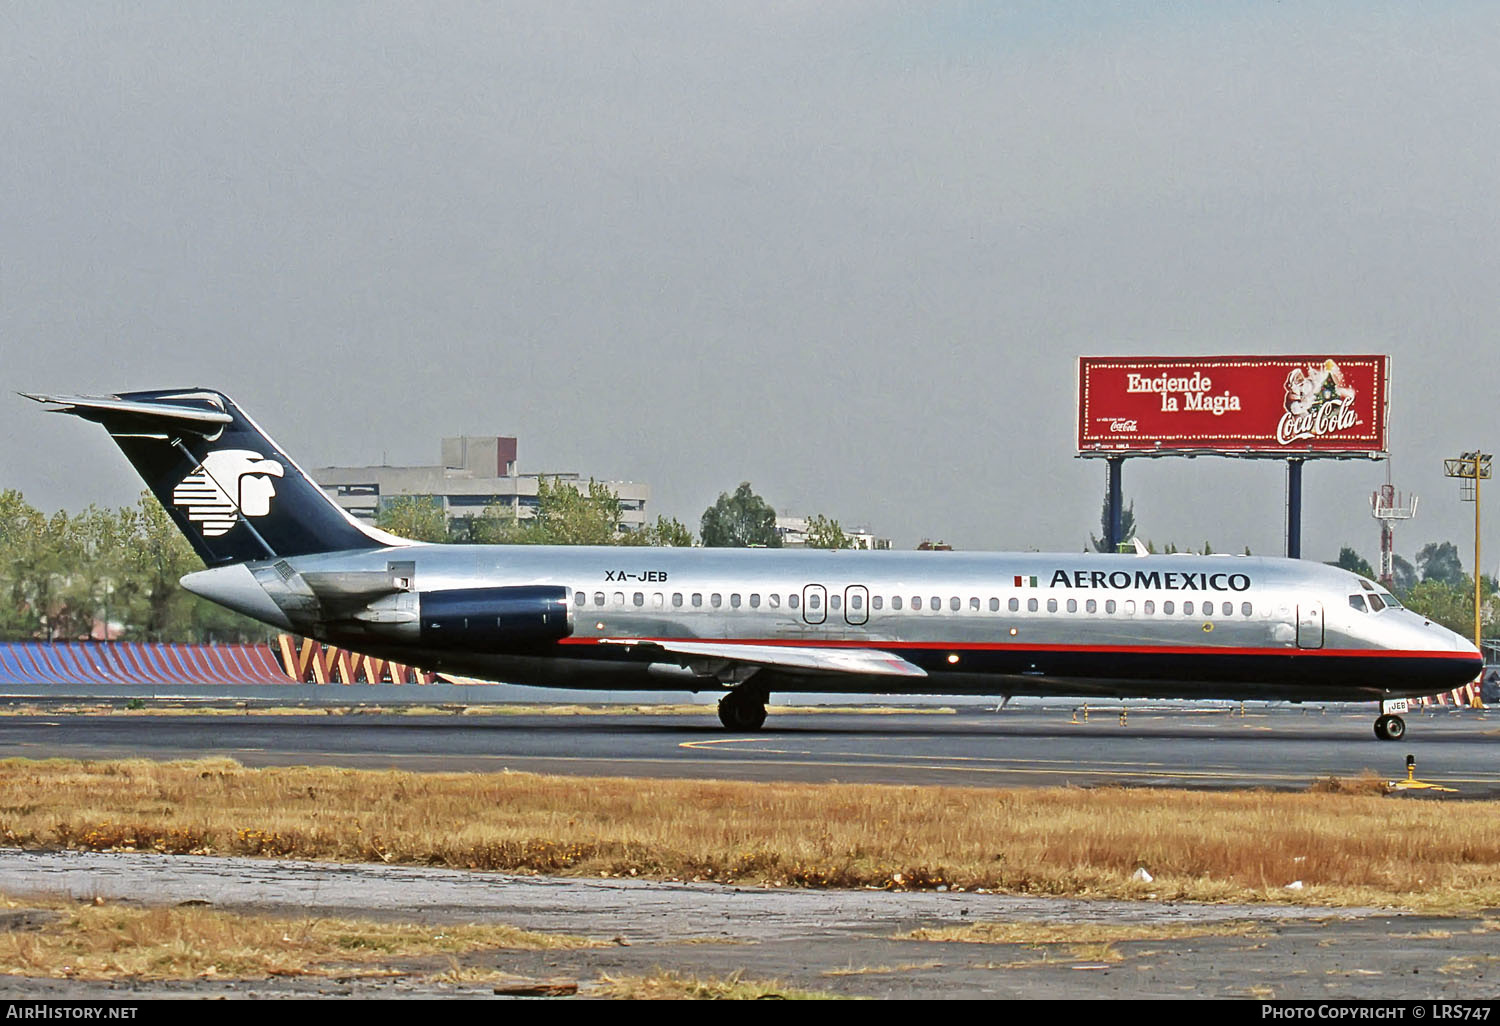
[(1310, 626)]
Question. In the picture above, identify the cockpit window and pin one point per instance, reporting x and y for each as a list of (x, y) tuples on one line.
[(1366, 585), (1358, 602), (1390, 600), (1375, 604)]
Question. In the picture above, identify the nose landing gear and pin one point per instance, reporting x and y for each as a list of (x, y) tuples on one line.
[(1390, 728)]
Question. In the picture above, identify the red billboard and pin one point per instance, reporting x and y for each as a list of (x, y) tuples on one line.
[(1264, 406)]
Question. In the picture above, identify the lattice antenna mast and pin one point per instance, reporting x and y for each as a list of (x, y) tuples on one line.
[(1388, 506)]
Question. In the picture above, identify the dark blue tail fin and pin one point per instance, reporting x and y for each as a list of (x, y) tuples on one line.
[(230, 490)]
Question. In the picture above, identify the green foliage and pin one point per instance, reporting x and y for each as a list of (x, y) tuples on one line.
[(739, 521), (564, 515), (419, 518), (67, 577), (1354, 562), (823, 533), (1452, 605), (1127, 526), (1439, 561), (1403, 575), (667, 532)]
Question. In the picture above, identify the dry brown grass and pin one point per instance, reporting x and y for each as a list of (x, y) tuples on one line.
[(1346, 848), (1080, 933), (96, 941), (671, 986)]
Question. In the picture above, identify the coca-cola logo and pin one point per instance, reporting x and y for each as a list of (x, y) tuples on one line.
[(1318, 402)]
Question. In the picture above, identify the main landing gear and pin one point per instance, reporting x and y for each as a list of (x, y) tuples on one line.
[(744, 708)]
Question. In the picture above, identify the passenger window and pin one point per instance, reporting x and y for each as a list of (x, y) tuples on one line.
[(580, 598), (697, 599), (716, 600), (815, 602), (638, 599), (734, 600), (936, 604), (1109, 605), (676, 598), (1091, 606), (916, 602), (855, 602), (1358, 602), (1246, 609), (994, 605), (598, 598), (974, 605), (1014, 605), (955, 603), (1148, 607), (657, 600), (754, 600), (1130, 607), (1168, 607), (1072, 605), (775, 601), (1227, 608), (895, 601), (1187, 608), (1052, 605), (619, 598), (834, 602), (877, 602), (791, 601), (1031, 605)]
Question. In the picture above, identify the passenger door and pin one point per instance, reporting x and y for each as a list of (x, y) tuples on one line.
[(1309, 626)]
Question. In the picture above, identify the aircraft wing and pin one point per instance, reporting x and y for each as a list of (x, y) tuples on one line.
[(785, 657)]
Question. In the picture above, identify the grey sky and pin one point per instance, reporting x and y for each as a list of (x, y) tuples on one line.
[(846, 251)]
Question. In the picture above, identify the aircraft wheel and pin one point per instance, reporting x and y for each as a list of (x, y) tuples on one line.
[(742, 711), (1395, 728)]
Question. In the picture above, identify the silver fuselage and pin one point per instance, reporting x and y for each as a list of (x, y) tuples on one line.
[(983, 623)]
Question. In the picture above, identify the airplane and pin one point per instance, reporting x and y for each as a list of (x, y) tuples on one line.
[(746, 622)]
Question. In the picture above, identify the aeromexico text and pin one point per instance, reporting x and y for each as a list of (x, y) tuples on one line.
[(1160, 580)]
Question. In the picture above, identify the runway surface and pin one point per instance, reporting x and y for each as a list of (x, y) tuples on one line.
[(1284, 749)]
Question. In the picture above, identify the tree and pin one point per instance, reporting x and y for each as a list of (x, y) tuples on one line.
[(1439, 561), (823, 533), (418, 517), (667, 531), (1354, 562), (739, 521), (1127, 526), (1403, 575)]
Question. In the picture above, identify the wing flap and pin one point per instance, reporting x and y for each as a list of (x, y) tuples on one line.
[(786, 657)]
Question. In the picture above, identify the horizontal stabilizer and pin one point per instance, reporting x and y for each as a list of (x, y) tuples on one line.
[(200, 419), (786, 657)]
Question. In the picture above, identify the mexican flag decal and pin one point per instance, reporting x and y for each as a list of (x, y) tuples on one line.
[(1025, 582)]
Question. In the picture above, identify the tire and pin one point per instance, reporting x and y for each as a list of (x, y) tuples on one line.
[(737, 712), (1395, 728)]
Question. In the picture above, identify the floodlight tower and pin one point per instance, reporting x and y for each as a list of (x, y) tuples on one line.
[(1389, 506), (1471, 468)]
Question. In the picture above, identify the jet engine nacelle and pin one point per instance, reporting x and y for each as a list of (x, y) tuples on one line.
[(494, 619)]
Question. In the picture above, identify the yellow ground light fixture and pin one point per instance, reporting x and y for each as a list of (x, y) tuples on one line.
[(1411, 783), (1470, 468)]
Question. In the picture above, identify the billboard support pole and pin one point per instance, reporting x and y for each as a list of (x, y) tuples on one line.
[(1116, 515), (1294, 507)]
